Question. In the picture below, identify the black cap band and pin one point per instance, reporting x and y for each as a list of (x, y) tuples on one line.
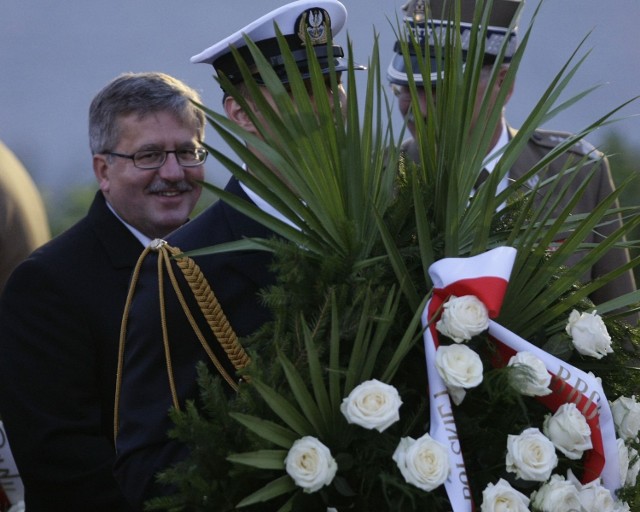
[(270, 48)]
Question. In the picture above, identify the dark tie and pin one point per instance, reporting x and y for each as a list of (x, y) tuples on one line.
[(484, 174)]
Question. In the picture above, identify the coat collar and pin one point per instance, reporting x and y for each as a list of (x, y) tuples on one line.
[(241, 225), (120, 245)]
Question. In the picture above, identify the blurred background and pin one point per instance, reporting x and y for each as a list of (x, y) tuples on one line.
[(54, 57)]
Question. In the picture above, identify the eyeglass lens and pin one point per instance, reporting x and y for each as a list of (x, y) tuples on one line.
[(156, 158)]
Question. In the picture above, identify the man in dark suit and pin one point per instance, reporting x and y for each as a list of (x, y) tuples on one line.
[(422, 16), (236, 278), (61, 310)]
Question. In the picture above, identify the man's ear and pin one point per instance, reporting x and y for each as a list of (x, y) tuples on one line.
[(100, 169), (501, 77), (237, 114)]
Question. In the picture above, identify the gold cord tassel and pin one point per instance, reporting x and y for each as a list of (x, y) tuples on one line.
[(208, 304), (212, 310)]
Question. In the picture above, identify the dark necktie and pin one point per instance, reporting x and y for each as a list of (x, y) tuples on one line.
[(484, 174)]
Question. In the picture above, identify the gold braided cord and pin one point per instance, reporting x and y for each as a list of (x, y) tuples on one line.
[(207, 302), (162, 260), (123, 335), (196, 329), (212, 311)]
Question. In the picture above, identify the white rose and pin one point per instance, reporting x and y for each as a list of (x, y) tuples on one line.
[(463, 318), (626, 416), (423, 462), (502, 497), (623, 458), (531, 456), (310, 464), (460, 369), (568, 430), (372, 404), (557, 495), (634, 468), (594, 497), (621, 506), (629, 463), (531, 377), (589, 334)]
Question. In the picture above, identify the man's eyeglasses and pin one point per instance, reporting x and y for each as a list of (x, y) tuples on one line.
[(155, 158)]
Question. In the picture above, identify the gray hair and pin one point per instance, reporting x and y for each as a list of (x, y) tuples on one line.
[(142, 94)]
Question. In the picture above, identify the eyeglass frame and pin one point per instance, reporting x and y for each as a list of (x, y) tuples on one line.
[(164, 160)]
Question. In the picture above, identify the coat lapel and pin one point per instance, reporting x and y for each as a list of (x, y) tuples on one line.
[(121, 247)]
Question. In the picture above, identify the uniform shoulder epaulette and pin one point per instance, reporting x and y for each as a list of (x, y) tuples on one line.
[(406, 145), (550, 139)]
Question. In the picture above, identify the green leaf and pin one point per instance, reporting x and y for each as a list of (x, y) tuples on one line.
[(412, 333), (383, 322), (263, 459), (273, 489), (284, 409), (335, 370), (317, 375), (305, 401), (399, 267), (266, 429)]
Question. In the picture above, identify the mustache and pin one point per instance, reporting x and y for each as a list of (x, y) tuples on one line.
[(170, 186)]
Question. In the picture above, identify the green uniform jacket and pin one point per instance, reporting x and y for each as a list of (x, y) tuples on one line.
[(538, 146)]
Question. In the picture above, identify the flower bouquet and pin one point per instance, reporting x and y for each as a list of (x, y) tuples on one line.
[(429, 349)]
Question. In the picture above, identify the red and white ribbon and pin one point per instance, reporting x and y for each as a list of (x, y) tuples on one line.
[(486, 276)]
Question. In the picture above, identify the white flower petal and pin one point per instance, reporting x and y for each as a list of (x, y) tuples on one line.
[(310, 464)]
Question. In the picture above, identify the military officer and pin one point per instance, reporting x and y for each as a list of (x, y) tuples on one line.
[(235, 278), (423, 19)]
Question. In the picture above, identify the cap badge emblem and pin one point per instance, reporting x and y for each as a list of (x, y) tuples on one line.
[(415, 9), (315, 23)]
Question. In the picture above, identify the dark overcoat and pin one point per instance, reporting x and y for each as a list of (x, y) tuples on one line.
[(59, 321)]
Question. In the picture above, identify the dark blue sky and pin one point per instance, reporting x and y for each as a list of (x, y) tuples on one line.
[(54, 56)]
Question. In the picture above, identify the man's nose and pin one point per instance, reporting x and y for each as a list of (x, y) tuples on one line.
[(171, 169)]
